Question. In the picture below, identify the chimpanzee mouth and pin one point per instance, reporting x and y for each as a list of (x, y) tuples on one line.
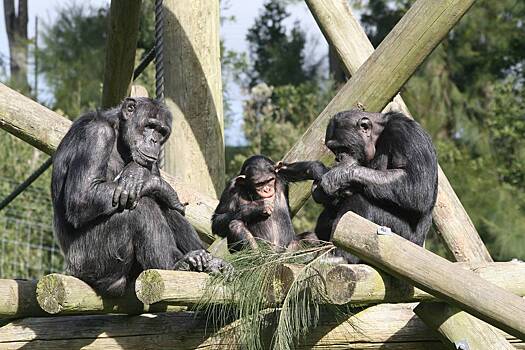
[(147, 157), (265, 195)]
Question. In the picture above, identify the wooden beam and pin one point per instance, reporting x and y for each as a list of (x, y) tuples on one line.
[(375, 83), (123, 32), (18, 299), (344, 33), (385, 327), (193, 93), (43, 129), (362, 284), (431, 273), (458, 327), (67, 295)]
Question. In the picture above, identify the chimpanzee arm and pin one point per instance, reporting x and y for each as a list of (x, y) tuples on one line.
[(230, 208), (162, 192), (300, 171), (83, 161)]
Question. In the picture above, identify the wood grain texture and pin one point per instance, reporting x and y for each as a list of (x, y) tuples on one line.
[(18, 299), (432, 273), (43, 129), (363, 284), (123, 30), (193, 92), (385, 327)]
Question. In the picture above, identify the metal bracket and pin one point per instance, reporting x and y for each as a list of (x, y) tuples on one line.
[(462, 345), (384, 231)]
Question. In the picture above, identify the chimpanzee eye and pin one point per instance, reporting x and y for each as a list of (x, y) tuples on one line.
[(365, 123), (131, 107)]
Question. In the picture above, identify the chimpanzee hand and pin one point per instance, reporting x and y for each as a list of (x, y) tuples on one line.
[(313, 170), (219, 266), (196, 260), (338, 178), (259, 209), (129, 185), (163, 193)]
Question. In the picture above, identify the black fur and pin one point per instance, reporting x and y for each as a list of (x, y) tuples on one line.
[(114, 216), (242, 214), (397, 187)]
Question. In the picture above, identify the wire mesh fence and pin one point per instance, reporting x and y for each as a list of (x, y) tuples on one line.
[(27, 245)]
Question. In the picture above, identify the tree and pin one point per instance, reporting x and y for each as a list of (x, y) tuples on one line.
[(16, 27)]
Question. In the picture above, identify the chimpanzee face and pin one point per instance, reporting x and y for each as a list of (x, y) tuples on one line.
[(145, 126), (258, 174), (348, 136)]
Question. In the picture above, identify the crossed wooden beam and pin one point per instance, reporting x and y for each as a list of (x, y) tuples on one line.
[(377, 76)]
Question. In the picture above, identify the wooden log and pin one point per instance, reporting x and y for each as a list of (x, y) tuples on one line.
[(386, 326), (376, 82), (190, 288), (18, 299), (431, 273), (43, 129), (344, 33), (123, 31), (67, 295), (458, 327), (362, 284), (193, 93)]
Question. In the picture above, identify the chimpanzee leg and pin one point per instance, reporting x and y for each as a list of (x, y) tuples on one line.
[(103, 255), (185, 235), (154, 241), (305, 239), (240, 236)]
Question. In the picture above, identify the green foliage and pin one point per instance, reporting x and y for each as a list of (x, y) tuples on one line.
[(72, 59), (277, 57), (269, 315)]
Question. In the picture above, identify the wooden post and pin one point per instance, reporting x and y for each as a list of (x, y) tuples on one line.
[(18, 299), (124, 17), (375, 83), (193, 93), (345, 35), (431, 273), (362, 284), (386, 326), (43, 129), (67, 295)]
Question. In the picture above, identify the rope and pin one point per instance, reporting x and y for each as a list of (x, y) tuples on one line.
[(159, 62)]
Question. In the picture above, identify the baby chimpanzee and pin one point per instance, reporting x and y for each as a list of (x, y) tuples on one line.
[(255, 204)]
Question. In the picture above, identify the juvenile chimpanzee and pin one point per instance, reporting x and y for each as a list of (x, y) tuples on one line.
[(254, 205), (114, 216), (386, 171)]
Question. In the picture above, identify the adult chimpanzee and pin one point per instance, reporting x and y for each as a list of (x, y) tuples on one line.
[(386, 171), (114, 216), (254, 205)]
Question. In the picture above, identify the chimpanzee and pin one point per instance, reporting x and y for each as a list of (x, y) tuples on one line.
[(385, 171), (254, 205), (114, 215)]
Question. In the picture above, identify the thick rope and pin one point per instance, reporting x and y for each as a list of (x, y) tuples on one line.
[(159, 61)]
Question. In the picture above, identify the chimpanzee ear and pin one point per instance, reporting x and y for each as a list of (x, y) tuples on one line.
[(128, 108), (240, 180), (365, 125)]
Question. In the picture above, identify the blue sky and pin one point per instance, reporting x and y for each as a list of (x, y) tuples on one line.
[(233, 33)]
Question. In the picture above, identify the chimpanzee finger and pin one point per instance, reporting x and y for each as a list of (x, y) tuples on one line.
[(198, 264), (123, 199), (116, 195), (131, 198)]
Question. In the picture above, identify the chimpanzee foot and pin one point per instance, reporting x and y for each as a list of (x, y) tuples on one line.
[(202, 261)]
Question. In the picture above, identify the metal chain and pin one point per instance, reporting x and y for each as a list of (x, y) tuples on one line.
[(159, 61)]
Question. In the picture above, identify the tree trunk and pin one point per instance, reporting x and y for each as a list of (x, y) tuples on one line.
[(193, 93), (16, 28)]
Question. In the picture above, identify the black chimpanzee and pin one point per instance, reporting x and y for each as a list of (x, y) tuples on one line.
[(254, 205), (385, 171), (114, 216)]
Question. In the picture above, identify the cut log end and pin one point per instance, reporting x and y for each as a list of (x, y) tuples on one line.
[(149, 287), (342, 282), (51, 293)]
